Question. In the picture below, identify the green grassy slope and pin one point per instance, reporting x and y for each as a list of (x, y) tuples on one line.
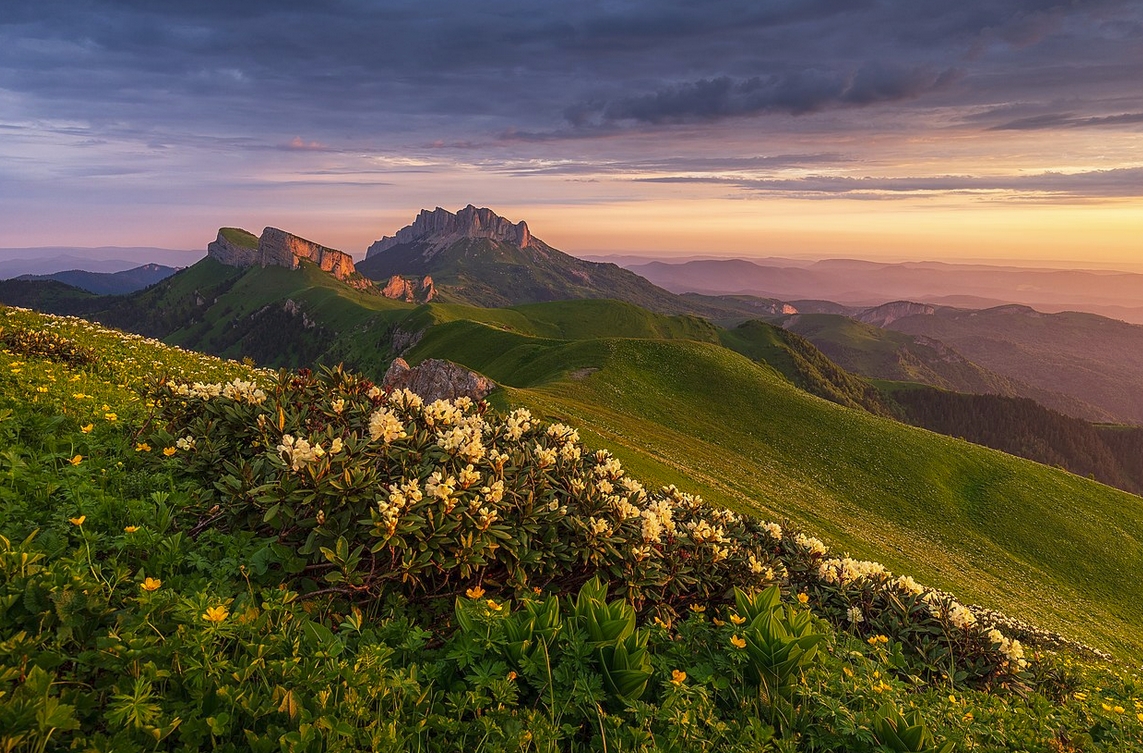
[(1004, 532)]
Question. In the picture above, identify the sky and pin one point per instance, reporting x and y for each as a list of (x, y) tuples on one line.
[(904, 129)]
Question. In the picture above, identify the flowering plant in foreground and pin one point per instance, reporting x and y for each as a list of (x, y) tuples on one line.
[(380, 490)]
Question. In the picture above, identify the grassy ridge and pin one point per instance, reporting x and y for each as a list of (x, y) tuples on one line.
[(1004, 532)]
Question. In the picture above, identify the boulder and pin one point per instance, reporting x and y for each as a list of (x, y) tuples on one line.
[(436, 379)]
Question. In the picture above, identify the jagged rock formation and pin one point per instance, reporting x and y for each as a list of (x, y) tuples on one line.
[(402, 289), (235, 247), (436, 379), (443, 228)]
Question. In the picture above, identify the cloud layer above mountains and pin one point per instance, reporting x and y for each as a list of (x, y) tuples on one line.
[(349, 103)]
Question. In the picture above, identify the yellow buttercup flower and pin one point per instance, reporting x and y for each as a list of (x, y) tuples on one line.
[(76, 460), (151, 584), (678, 677), (493, 605), (737, 642), (717, 622), (111, 416), (168, 451), (736, 619), (698, 608), (216, 614), (803, 598), (475, 592), (77, 521), (142, 447), (130, 529), (87, 429)]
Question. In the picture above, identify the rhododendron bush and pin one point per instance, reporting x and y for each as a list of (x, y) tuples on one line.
[(374, 491)]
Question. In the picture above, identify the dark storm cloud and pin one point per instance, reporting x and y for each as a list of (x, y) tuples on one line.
[(563, 83), (796, 93)]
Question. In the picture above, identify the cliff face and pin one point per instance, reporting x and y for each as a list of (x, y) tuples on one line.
[(279, 248), (231, 254), (444, 228)]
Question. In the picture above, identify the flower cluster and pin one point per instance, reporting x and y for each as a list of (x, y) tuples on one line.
[(444, 492)]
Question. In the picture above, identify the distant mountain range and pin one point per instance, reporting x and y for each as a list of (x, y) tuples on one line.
[(109, 283), (279, 298), (48, 260), (863, 283)]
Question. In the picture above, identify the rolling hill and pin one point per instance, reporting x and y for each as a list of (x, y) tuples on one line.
[(109, 283), (1085, 356), (676, 406)]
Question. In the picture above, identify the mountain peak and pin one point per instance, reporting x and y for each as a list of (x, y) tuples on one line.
[(440, 228)]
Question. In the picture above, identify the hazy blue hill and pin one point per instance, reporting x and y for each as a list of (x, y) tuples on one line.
[(109, 283), (1085, 356), (886, 353)]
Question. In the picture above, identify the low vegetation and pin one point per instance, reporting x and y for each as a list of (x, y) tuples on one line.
[(198, 554)]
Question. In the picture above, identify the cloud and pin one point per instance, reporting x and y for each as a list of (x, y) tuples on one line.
[(1068, 120), (1095, 184), (298, 144), (796, 93)]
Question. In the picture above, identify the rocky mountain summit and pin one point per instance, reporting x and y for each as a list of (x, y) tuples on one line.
[(239, 248), (441, 228)]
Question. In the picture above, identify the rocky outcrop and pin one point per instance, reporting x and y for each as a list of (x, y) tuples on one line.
[(403, 289), (277, 247), (886, 314), (232, 254), (435, 379), (443, 228), (281, 249)]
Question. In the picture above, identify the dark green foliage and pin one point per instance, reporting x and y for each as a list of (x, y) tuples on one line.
[(1025, 428)]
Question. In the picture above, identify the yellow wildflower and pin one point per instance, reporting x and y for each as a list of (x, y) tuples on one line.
[(168, 451), (737, 619), (151, 584), (475, 592), (698, 608), (717, 622), (737, 642), (87, 429), (142, 447), (111, 416), (803, 598), (512, 676), (952, 699), (130, 529), (77, 521), (494, 606), (847, 671), (678, 677), (1139, 717), (216, 614), (76, 460)]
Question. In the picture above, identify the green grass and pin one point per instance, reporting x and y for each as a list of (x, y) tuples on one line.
[(1006, 533), (239, 237)]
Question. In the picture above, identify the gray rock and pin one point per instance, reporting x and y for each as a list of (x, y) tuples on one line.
[(436, 379)]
